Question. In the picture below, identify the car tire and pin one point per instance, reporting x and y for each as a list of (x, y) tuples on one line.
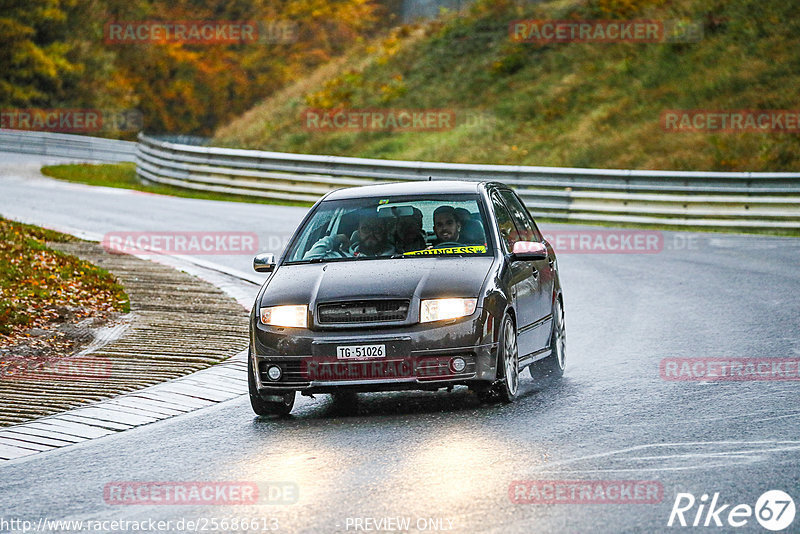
[(262, 406), (551, 368), (508, 361)]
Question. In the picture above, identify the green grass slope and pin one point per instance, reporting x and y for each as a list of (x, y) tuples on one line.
[(561, 104)]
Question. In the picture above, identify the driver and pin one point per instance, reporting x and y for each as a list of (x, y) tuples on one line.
[(446, 225), (371, 240)]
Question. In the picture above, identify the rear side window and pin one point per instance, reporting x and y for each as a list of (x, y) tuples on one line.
[(525, 225), (505, 223)]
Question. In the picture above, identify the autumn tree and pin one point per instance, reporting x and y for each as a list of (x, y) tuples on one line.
[(55, 55), (34, 58)]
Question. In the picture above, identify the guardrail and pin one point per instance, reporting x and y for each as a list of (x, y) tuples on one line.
[(757, 201), (80, 147), (667, 198)]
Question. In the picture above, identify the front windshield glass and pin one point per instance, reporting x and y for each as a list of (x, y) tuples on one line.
[(371, 228)]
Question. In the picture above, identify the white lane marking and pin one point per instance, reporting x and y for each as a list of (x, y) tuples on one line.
[(35, 439), (740, 456), (47, 434), (105, 335), (91, 421), (739, 416), (13, 442), (147, 406), (7, 452), (68, 427)]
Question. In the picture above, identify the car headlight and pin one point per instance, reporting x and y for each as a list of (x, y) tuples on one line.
[(440, 309), (290, 316)]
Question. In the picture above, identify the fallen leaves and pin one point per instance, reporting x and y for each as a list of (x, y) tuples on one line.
[(41, 288)]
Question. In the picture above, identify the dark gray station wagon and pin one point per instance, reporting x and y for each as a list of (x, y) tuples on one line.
[(422, 285)]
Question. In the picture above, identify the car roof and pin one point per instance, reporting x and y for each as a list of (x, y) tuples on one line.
[(407, 188)]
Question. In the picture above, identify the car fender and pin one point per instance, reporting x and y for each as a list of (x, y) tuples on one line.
[(497, 302)]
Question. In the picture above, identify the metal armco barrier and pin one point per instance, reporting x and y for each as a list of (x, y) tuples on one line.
[(760, 201), (79, 147)]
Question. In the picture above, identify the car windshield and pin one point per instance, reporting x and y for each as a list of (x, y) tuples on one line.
[(395, 227)]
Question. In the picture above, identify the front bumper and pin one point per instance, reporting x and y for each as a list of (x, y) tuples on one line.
[(417, 356)]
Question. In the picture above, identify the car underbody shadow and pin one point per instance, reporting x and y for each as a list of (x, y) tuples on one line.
[(399, 402), (346, 404)]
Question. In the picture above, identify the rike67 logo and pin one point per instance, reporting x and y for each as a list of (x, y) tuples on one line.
[(774, 510)]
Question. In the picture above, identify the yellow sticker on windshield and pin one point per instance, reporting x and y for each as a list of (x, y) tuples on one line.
[(472, 249)]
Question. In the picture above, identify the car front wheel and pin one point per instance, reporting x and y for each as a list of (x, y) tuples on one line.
[(508, 361), (262, 406)]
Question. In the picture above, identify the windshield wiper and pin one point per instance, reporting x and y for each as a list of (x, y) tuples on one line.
[(314, 260)]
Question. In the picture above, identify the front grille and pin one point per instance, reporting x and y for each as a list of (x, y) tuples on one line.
[(362, 311)]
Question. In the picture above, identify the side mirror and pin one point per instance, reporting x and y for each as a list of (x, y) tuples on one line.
[(529, 251), (264, 263)]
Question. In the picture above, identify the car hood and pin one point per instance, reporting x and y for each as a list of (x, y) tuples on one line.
[(399, 278)]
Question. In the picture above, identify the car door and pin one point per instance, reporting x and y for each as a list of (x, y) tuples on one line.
[(542, 271), (521, 281)]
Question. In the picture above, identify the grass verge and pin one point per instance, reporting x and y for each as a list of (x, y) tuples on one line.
[(123, 176), (41, 288)]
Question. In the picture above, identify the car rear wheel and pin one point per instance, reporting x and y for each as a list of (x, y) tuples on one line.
[(260, 405), (508, 361), (552, 367)]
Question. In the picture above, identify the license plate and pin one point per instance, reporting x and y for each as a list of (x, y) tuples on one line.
[(360, 352)]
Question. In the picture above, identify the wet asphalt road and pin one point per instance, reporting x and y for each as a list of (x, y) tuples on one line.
[(443, 456)]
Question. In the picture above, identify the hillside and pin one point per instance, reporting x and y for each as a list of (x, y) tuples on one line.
[(571, 104), (148, 61)]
